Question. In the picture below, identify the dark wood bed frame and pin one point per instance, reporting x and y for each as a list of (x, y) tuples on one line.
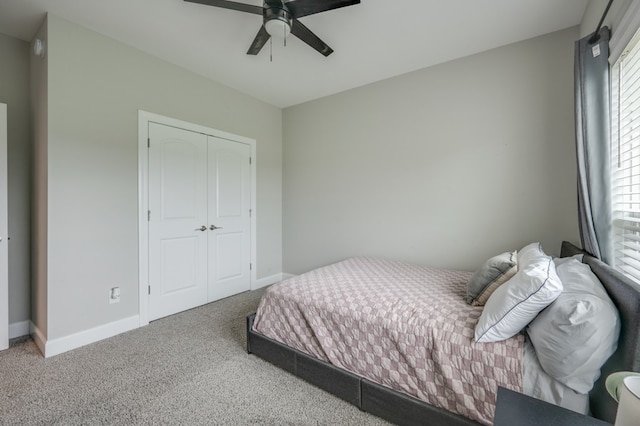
[(405, 410)]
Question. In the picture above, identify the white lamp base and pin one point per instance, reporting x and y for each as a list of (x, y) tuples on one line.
[(629, 405)]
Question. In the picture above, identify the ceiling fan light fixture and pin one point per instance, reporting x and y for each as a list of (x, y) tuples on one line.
[(277, 28), (277, 22)]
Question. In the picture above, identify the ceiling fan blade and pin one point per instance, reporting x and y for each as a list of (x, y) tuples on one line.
[(261, 38), (242, 7), (274, 3), (300, 8), (305, 34)]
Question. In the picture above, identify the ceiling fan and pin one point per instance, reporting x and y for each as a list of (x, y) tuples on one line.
[(281, 18)]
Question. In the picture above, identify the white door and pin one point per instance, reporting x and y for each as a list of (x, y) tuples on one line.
[(177, 220), (4, 234), (199, 219), (229, 218)]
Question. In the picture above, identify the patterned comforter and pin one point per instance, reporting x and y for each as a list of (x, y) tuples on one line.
[(403, 326)]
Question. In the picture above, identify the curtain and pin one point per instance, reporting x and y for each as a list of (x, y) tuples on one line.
[(592, 144)]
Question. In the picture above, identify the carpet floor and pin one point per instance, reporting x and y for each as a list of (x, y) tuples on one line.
[(190, 368)]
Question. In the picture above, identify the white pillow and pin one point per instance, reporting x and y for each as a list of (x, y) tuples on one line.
[(515, 303), (530, 252), (578, 332), (560, 260)]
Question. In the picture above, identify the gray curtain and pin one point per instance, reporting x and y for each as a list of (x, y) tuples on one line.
[(592, 144)]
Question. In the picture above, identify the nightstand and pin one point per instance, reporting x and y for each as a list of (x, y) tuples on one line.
[(514, 408)]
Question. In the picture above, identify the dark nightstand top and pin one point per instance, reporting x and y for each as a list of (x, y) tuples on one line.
[(513, 408)]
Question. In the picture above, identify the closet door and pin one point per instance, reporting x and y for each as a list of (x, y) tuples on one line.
[(229, 218), (178, 227), (4, 234)]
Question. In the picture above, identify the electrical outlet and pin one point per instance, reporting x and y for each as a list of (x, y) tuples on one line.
[(114, 295)]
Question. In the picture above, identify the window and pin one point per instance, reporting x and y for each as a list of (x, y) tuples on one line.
[(625, 155)]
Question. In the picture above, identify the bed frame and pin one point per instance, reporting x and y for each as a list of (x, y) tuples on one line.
[(405, 410)]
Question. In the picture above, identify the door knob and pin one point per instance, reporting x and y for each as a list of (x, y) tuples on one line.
[(202, 228), (213, 227)]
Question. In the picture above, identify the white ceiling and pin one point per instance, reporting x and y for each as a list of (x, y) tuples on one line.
[(373, 40)]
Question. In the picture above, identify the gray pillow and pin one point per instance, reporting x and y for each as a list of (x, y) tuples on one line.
[(491, 275), (576, 334)]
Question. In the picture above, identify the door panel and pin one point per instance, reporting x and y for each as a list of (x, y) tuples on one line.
[(229, 264), (229, 169), (180, 184), (178, 209), (229, 204), (179, 269)]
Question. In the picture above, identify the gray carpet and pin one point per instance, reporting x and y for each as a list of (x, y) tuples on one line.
[(191, 368)]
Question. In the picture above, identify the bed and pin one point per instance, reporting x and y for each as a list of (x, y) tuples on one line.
[(379, 391)]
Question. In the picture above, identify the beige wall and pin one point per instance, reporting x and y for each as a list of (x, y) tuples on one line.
[(95, 88), (14, 91), (445, 166)]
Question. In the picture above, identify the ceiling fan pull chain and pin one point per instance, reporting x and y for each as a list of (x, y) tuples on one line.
[(271, 49), (284, 32)]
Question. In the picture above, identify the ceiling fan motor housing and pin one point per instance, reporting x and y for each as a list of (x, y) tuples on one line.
[(276, 18)]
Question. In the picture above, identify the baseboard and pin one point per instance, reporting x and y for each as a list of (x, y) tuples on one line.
[(263, 282), (19, 329), (285, 275), (63, 344), (38, 337), (73, 341)]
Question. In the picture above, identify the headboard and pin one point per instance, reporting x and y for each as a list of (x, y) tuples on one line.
[(625, 294)]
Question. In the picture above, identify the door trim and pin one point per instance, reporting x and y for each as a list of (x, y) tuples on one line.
[(144, 118), (4, 231)]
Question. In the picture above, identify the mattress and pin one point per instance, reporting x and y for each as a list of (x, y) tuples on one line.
[(400, 325)]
